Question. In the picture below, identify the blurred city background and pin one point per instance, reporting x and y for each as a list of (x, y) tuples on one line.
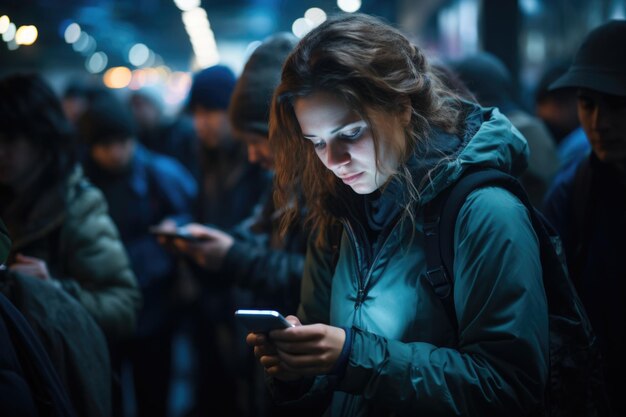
[(129, 44)]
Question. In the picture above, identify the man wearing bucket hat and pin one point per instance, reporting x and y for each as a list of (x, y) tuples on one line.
[(587, 203)]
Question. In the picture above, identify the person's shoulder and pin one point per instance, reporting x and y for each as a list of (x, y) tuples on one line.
[(166, 167), (494, 209), (82, 197), (493, 199)]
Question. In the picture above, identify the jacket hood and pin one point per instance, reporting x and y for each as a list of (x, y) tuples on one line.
[(488, 140)]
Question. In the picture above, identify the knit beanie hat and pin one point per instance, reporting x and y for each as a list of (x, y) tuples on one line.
[(600, 63), (486, 76), (250, 104), (211, 88), (106, 121)]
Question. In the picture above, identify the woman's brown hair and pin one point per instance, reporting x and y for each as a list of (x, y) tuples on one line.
[(370, 66)]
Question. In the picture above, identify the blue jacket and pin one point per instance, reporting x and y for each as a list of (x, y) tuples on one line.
[(154, 187)]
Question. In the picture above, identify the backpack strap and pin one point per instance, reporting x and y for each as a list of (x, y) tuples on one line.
[(440, 220)]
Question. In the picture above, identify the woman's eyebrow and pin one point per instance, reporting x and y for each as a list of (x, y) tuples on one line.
[(335, 130)]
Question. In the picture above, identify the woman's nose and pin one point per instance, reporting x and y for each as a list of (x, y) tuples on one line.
[(337, 154)]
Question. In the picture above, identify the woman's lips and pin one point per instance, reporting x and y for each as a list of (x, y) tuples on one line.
[(349, 179)]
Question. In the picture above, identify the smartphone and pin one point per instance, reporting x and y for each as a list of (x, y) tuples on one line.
[(262, 321), (178, 233)]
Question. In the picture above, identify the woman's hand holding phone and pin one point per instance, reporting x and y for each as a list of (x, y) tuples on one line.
[(299, 351)]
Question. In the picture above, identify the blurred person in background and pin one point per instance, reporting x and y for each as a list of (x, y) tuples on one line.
[(229, 187), (61, 231), (72, 340), (77, 97), (587, 203), (171, 136), (490, 81), (58, 221), (266, 268), (559, 111), (29, 386), (142, 189)]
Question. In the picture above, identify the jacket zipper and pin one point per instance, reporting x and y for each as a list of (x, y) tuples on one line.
[(362, 283)]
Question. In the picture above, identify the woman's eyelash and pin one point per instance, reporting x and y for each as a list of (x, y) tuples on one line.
[(353, 133)]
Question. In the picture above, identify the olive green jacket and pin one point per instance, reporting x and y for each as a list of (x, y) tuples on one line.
[(406, 358), (71, 230)]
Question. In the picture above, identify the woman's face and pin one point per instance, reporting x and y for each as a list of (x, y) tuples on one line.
[(343, 140)]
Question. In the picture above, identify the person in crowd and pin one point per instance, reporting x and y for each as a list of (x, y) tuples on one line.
[(174, 137), (229, 189), (58, 221), (587, 203), (72, 340), (229, 185), (142, 189), (490, 81), (362, 126), (77, 97), (559, 111), (251, 255)]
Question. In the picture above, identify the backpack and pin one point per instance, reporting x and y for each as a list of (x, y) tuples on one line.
[(576, 386)]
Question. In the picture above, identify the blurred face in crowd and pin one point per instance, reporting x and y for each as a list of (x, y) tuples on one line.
[(114, 156), (344, 141), (603, 118), (559, 111), (259, 151), (146, 113), (211, 126), (74, 107), (20, 161)]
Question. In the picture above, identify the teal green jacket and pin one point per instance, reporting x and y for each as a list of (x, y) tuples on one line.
[(406, 358)]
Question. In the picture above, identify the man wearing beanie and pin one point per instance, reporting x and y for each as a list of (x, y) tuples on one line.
[(588, 202), (230, 187), (142, 189), (267, 269)]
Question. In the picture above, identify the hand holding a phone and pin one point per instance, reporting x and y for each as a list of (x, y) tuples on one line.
[(303, 350), (207, 247)]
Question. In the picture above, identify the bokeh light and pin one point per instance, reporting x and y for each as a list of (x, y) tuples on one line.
[(117, 77), (349, 6), (72, 33), (97, 62), (26, 35), (9, 34), (139, 54), (315, 15), (301, 27), (4, 23)]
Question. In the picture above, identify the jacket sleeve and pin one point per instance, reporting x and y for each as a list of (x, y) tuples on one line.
[(312, 393), (262, 268), (98, 271), (501, 362)]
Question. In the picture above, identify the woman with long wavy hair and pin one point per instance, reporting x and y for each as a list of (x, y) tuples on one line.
[(362, 125)]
